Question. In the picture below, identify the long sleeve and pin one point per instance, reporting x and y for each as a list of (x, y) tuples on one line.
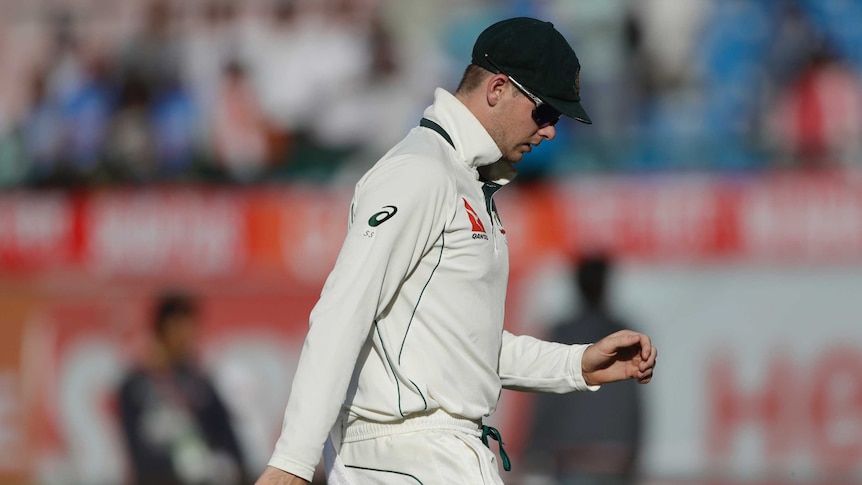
[(530, 364), (398, 212)]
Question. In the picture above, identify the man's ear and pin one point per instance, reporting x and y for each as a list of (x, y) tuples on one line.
[(494, 89)]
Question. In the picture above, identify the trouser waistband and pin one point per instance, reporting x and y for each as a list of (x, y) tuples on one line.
[(361, 429)]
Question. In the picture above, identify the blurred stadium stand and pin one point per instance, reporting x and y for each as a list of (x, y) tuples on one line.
[(213, 144), (137, 91)]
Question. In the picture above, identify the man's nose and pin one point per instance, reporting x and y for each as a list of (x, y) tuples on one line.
[(548, 132)]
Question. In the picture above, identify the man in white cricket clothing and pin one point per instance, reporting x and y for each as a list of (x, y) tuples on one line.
[(406, 352)]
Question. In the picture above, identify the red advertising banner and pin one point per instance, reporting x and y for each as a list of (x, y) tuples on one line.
[(37, 230), (298, 230)]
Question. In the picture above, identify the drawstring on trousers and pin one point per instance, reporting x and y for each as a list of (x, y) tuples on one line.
[(490, 431)]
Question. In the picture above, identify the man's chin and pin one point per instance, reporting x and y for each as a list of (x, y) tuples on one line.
[(513, 158)]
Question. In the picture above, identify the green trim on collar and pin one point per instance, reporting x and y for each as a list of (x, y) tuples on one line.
[(489, 189), (426, 123)]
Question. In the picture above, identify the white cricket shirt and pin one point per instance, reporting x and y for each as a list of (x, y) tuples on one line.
[(411, 317)]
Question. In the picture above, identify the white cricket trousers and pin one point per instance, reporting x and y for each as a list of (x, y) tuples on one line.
[(432, 449)]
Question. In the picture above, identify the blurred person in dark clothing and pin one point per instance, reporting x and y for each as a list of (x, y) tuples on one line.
[(130, 145), (154, 53), (177, 428), (43, 132), (588, 438), (176, 128), (87, 117)]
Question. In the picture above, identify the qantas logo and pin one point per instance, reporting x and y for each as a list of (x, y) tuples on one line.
[(474, 217), (478, 227)]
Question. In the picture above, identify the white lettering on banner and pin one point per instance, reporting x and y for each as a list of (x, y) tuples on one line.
[(683, 219), (750, 354), (592, 216), (816, 412), (34, 223), (801, 221), (11, 433), (155, 233), (676, 220)]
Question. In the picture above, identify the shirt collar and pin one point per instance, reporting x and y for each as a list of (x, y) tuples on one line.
[(473, 144)]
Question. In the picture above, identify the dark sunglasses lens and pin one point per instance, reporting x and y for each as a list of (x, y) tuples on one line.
[(546, 115)]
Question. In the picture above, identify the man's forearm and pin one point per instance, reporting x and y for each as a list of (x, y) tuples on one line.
[(530, 364), (274, 476)]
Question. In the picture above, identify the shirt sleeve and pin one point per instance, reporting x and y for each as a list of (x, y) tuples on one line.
[(398, 212), (530, 364)]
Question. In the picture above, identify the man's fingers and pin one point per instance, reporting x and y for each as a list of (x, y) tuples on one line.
[(634, 349), (649, 362), (644, 378), (646, 346), (620, 340), (647, 367), (627, 338)]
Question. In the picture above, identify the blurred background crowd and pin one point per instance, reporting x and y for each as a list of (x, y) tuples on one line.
[(96, 92)]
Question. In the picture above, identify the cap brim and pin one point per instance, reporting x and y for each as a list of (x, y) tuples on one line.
[(572, 109)]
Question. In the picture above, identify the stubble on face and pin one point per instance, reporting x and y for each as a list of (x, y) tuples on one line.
[(513, 127)]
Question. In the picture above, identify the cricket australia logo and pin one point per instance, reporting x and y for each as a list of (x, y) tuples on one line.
[(478, 227), (577, 85)]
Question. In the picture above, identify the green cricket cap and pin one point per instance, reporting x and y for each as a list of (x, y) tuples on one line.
[(536, 55)]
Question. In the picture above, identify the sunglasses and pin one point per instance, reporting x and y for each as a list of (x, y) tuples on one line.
[(544, 114)]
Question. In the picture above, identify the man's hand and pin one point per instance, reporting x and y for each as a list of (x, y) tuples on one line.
[(620, 355), (274, 476)]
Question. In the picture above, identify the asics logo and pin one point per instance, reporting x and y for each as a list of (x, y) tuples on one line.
[(382, 216)]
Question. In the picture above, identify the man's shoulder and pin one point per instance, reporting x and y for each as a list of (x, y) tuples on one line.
[(424, 144), (407, 167)]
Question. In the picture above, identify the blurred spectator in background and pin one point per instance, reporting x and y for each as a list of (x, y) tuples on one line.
[(177, 429), (310, 54), (600, 27), (587, 439), (154, 53), (67, 109), (87, 117), (240, 132), (386, 94), (302, 56), (216, 36), (43, 131), (158, 121), (175, 125), (816, 120), (129, 149)]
